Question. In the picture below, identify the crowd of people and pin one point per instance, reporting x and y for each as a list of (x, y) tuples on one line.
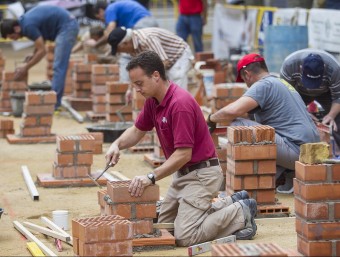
[(156, 62)]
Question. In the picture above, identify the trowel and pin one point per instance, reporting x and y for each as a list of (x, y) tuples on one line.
[(101, 174)]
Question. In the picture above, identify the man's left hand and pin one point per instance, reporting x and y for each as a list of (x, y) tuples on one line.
[(329, 120), (20, 73), (137, 185)]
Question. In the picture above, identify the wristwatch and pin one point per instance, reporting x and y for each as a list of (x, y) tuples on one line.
[(151, 176)]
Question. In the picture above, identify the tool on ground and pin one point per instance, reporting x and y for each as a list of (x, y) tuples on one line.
[(119, 112), (58, 244), (34, 249), (109, 165), (206, 247)]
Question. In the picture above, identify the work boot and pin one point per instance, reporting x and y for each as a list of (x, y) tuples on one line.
[(288, 186), (242, 195), (249, 208)]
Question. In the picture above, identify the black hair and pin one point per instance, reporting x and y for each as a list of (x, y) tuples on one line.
[(99, 5), (256, 67), (149, 62), (7, 27)]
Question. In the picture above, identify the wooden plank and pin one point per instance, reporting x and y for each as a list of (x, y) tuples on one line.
[(34, 249), (206, 247), (50, 224), (119, 175), (163, 225), (29, 182), (32, 238), (47, 231), (165, 239)]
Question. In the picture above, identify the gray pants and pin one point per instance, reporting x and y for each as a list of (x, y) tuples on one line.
[(188, 205), (286, 156)]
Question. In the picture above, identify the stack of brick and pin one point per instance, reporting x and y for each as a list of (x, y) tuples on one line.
[(226, 93), (74, 156), (81, 76), (2, 64), (98, 142), (50, 58), (115, 101), (101, 73), (6, 127), (242, 250), (139, 210), (38, 112), (68, 89), (9, 85), (102, 236), (317, 208), (251, 162)]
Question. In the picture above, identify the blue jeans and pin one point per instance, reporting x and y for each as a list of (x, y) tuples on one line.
[(191, 24), (63, 45)]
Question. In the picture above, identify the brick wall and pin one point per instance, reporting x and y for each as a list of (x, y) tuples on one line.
[(6, 127), (102, 236), (317, 208)]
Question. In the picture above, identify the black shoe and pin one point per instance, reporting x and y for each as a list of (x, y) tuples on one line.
[(239, 196), (249, 207)]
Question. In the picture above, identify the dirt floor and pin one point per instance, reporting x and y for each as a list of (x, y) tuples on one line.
[(81, 202)]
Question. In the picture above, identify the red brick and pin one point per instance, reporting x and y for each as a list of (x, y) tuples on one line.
[(38, 109), (240, 167), (266, 181), (75, 245), (314, 248), (45, 120), (317, 192), (82, 68), (237, 91), (63, 159), (117, 248), (335, 168), (118, 192), (98, 89), (203, 56), (221, 153), (115, 98), (35, 131), (6, 124), (81, 77), (318, 231), (144, 226), (123, 210), (101, 193), (265, 196), (32, 98), (102, 79), (307, 172), (116, 87), (252, 152), (266, 167), (103, 69), (337, 211), (311, 211), (75, 143), (99, 108), (8, 76), (146, 211)]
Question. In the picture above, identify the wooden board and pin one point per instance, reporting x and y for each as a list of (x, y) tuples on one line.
[(165, 239), (17, 139), (47, 180)]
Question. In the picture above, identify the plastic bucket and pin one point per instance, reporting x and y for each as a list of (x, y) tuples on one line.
[(280, 41), (208, 77), (60, 218), (17, 103)]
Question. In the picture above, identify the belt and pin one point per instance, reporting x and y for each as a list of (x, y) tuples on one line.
[(201, 165)]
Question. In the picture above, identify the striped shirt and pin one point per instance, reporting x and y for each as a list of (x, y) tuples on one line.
[(166, 44), (291, 71)]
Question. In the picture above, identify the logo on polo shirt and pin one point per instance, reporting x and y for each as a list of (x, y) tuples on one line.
[(164, 120)]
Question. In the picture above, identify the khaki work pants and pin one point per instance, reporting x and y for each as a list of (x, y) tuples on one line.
[(188, 204)]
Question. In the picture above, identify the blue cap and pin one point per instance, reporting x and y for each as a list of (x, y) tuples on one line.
[(312, 71)]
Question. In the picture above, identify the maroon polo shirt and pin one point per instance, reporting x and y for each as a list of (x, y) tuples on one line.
[(179, 123)]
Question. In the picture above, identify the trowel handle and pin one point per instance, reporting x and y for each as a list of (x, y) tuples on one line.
[(106, 168)]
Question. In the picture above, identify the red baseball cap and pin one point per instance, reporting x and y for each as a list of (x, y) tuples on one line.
[(246, 60)]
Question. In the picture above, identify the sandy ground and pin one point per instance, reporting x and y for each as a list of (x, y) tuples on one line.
[(80, 202)]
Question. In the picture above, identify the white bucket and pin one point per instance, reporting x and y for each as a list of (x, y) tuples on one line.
[(60, 218), (208, 77)]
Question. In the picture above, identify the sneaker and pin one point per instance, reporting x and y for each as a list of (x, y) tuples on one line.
[(249, 207), (288, 186), (239, 196)]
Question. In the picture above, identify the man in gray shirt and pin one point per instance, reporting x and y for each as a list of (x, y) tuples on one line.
[(274, 103), (315, 74)]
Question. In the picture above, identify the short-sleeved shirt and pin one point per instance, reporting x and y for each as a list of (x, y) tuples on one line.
[(179, 123), (45, 21), (166, 44), (292, 73), (125, 13), (281, 107), (190, 7)]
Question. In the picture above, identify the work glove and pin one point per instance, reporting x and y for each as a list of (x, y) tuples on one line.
[(211, 125)]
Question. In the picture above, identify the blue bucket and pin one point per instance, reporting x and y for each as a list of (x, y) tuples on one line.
[(280, 41)]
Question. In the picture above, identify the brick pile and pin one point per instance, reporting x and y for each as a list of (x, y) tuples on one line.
[(81, 77), (6, 127), (38, 112), (101, 73), (102, 236), (250, 249), (74, 156), (139, 210), (317, 208), (98, 141), (251, 162), (9, 85), (115, 101)]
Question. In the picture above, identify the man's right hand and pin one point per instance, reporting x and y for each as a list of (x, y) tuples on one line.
[(211, 125), (112, 154)]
